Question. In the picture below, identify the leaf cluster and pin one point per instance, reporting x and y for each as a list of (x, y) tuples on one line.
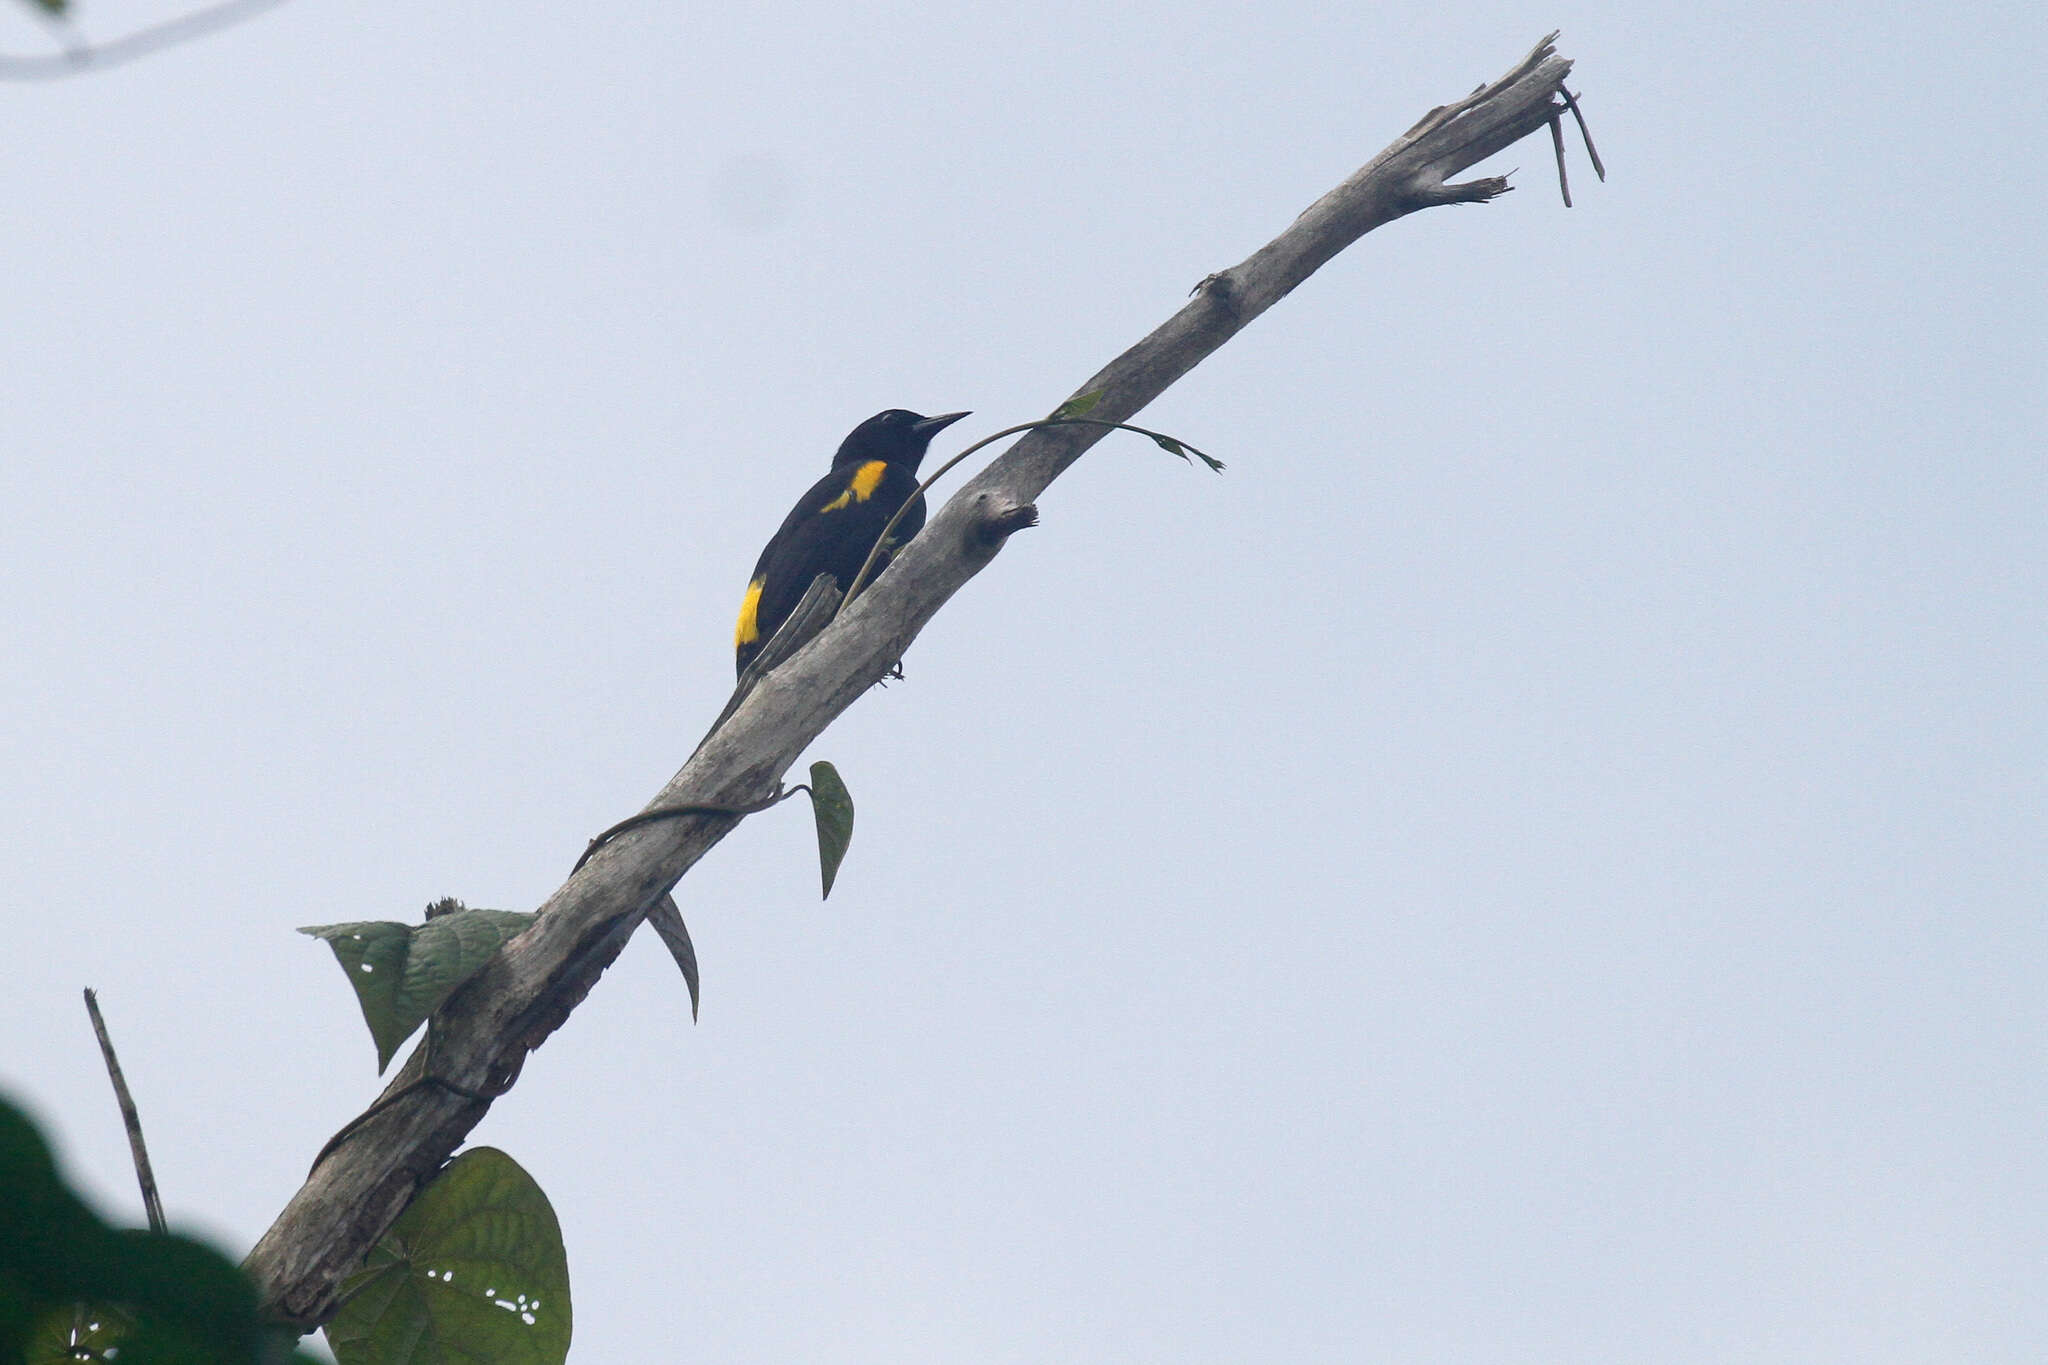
[(402, 973)]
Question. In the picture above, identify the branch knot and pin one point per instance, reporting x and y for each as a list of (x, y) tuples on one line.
[(997, 517)]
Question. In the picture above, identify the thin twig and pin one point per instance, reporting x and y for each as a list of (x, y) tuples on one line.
[(132, 1121), (1571, 102), (1564, 184), (79, 58)]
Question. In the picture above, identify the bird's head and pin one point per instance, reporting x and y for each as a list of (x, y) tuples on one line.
[(896, 436)]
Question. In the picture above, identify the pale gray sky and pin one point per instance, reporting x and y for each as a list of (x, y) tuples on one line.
[(1540, 861)]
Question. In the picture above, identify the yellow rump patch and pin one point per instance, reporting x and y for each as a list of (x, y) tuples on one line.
[(866, 480), (749, 628)]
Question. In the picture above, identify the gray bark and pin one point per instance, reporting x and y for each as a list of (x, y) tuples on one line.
[(479, 1040)]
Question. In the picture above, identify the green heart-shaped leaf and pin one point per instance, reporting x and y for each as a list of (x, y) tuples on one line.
[(472, 1273)]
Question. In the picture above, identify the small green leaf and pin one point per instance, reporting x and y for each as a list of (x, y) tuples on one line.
[(1184, 450), (1078, 406), (404, 972), (56, 7), (472, 1273), (832, 808)]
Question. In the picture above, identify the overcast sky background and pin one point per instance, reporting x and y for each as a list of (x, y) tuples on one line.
[(1542, 860)]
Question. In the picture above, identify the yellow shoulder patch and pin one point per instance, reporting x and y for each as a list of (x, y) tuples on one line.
[(749, 628), (866, 480)]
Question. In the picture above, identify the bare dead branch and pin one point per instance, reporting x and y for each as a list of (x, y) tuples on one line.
[(131, 1119), (526, 992)]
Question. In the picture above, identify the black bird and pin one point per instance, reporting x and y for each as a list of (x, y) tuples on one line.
[(832, 527)]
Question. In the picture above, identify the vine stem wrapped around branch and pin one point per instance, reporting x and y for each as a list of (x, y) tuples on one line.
[(483, 1034)]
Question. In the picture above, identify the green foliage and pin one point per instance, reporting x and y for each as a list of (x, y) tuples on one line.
[(832, 808), (473, 1273), (1082, 404), (1077, 406), (73, 1289), (59, 8), (1184, 450), (404, 972)]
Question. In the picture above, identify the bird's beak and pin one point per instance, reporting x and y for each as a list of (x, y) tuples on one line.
[(931, 426)]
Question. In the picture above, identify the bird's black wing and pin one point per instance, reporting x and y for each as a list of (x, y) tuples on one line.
[(829, 531)]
